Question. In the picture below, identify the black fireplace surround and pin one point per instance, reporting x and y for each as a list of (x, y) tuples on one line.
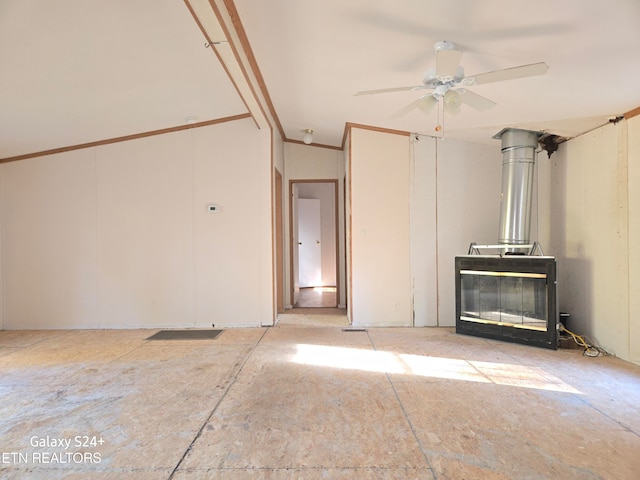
[(509, 298)]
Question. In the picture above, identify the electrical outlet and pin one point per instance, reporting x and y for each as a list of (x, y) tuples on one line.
[(213, 208)]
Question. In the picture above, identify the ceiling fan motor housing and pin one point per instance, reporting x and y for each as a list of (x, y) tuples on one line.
[(432, 80), (443, 45), (441, 85)]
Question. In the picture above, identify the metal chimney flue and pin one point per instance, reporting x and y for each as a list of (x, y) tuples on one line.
[(518, 167)]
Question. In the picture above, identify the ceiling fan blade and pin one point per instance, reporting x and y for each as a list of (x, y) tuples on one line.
[(475, 101), (404, 110), (447, 62), (387, 90), (510, 73)]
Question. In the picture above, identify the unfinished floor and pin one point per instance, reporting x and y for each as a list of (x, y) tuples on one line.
[(292, 402)]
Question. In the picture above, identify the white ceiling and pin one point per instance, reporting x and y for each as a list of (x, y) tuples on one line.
[(79, 71)]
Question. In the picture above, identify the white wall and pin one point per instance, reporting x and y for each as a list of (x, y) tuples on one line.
[(234, 268), (469, 184), (348, 223), (424, 222), (590, 234), (417, 202), (380, 235), (49, 230), (455, 201), (306, 162), (277, 152), (634, 237), (119, 235), (145, 232)]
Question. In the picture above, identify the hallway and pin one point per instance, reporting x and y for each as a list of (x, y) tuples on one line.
[(290, 402), (317, 297)]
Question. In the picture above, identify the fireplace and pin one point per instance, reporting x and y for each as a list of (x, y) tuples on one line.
[(510, 298), (510, 295)]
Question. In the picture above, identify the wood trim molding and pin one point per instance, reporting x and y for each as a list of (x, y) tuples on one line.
[(320, 145), (253, 64), (349, 227), (348, 126), (211, 43), (277, 259), (632, 113), (125, 138), (239, 31)]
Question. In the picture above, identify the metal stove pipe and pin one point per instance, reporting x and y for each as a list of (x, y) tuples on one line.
[(518, 165)]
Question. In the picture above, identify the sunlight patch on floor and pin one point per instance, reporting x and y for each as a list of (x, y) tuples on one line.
[(324, 289), (426, 366)]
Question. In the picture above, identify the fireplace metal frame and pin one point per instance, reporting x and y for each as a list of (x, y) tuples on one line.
[(510, 266)]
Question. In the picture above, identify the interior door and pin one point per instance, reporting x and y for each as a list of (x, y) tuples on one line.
[(309, 246)]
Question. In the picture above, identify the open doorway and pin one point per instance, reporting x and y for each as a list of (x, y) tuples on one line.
[(314, 243)]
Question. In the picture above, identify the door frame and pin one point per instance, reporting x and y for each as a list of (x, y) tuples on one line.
[(336, 222), (279, 253)]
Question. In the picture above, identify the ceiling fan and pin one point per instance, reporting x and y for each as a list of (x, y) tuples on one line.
[(448, 81)]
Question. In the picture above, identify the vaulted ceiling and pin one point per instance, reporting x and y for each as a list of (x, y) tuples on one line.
[(75, 72)]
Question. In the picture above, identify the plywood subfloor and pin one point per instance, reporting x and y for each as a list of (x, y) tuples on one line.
[(310, 403), (317, 297)]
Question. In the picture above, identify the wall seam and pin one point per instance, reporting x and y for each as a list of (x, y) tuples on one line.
[(194, 297), (412, 207), (624, 157), (96, 199), (435, 163)]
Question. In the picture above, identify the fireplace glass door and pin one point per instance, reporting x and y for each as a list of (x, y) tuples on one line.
[(506, 298)]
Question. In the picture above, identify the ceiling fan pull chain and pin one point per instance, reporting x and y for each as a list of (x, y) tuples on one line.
[(440, 125)]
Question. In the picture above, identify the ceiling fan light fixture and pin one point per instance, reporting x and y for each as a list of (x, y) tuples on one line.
[(307, 138), (452, 101), (452, 98), (426, 103)]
